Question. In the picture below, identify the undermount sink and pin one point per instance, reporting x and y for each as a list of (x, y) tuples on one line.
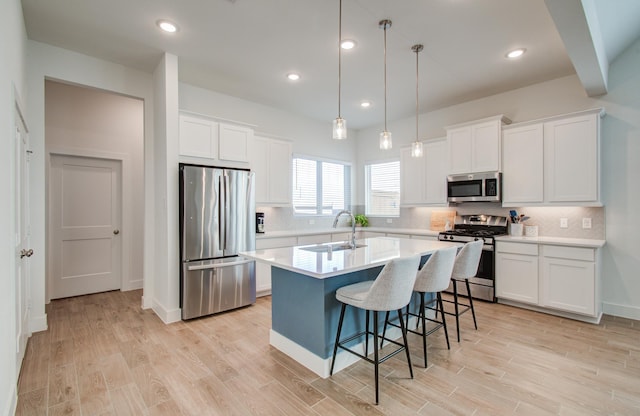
[(324, 248)]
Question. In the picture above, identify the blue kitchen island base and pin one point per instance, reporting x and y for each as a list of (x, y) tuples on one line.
[(305, 316)]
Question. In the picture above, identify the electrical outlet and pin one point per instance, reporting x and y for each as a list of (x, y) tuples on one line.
[(389, 221), (564, 222), (311, 222), (586, 223)]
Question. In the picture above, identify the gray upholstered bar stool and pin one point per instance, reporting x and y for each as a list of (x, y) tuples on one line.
[(466, 266), (391, 290), (434, 277)]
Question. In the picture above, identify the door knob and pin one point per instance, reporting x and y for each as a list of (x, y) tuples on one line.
[(26, 253), (116, 232)]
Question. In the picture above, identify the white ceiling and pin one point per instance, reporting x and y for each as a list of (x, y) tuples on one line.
[(244, 48)]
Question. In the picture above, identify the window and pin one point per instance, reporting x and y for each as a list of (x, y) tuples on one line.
[(383, 189), (319, 187)]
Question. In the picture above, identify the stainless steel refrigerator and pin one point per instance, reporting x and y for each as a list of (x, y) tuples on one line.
[(217, 221)]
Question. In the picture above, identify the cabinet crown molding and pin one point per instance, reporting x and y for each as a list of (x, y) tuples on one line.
[(500, 117), (600, 111)]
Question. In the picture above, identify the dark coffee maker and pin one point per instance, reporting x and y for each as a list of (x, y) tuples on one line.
[(260, 222)]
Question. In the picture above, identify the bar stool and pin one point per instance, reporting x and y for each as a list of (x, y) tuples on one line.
[(391, 290), (466, 266), (434, 277)]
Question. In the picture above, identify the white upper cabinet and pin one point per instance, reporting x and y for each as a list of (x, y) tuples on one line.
[(423, 179), (522, 164), (475, 146), (271, 161), (436, 168), (198, 137), (571, 158), (234, 142), (553, 162), (205, 138)]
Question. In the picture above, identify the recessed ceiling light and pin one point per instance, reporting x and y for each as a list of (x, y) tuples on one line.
[(365, 104), (167, 26), (348, 44), (516, 53), (293, 76)]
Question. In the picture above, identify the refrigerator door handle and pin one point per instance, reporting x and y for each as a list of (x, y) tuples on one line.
[(218, 265), (227, 211), (222, 213)]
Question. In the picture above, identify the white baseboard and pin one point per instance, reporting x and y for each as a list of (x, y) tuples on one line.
[(133, 285), (38, 323), (623, 311), (570, 315), (265, 292), (167, 316), (12, 403), (146, 302), (322, 366)]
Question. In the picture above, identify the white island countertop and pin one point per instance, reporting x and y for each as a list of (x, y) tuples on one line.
[(374, 252)]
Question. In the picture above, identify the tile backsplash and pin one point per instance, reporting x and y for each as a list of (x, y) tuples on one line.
[(546, 218)]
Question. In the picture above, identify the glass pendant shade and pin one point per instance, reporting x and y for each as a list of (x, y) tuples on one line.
[(339, 129), (386, 141), (416, 149)]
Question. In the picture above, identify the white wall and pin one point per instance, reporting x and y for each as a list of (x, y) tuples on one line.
[(93, 123), (621, 191), (620, 158), (166, 290), (13, 58), (44, 62)]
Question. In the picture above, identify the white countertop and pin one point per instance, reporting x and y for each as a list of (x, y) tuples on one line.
[(377, 252), (559, 241), (295, 233)]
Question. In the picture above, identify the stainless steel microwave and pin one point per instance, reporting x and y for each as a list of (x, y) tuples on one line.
[(474, 187)]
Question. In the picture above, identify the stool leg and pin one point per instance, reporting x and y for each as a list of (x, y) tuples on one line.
[(335, 346), (473, 312), (406, 343), (455, 304), (384, 328), (375, 350), (444, 320), (424, 328), (366, 333)]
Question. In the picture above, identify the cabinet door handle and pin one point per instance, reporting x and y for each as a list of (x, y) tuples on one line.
[(116, 232)]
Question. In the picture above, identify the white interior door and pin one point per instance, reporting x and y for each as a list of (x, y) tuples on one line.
[(22, 240), (85, 243)]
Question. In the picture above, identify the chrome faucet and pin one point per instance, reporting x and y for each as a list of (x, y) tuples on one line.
[(352, 243)]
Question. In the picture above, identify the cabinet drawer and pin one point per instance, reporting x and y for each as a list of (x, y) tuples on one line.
[(573, 253), (265, 243), (517, 248)]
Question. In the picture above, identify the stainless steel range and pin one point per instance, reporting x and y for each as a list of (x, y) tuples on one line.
[(473, 228)]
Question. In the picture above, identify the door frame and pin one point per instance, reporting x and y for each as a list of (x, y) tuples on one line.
[(126, 209), (22, 329)]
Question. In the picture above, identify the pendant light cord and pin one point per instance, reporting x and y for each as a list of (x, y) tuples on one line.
[(385, 76), (417, 86), (339, 57)]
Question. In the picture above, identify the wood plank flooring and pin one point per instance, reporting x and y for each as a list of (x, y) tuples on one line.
[(103, 355)]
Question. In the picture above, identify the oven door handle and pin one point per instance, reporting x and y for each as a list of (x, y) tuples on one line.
[(487, 248)]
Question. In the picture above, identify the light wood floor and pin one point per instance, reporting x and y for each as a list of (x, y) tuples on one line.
[(103, 355)]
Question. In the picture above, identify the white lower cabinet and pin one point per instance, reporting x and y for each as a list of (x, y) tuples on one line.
[(263, 270), (517, 272), (568, 279), (558, 279)]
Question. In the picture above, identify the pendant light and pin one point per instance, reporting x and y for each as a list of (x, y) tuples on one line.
[(416, 147), (339, 124), (385, 135)]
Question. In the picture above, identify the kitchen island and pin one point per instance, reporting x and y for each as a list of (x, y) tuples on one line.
[(304, 280)]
